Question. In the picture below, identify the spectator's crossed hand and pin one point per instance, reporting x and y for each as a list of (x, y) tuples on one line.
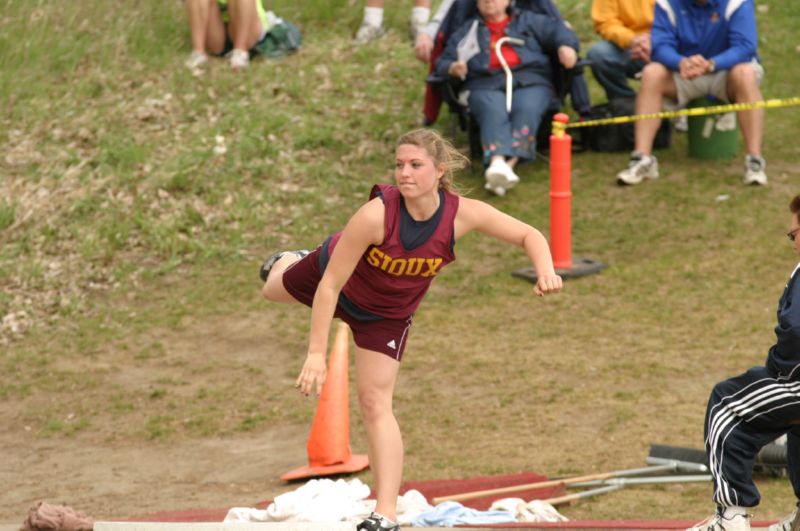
[(694, 66), (640, 47), (458, 69), (567, 56)]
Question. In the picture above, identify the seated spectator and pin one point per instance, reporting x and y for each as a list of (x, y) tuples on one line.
[(221, 26), (372, 26), (450, 16), (624, 26), (700, 47), (507, 138)]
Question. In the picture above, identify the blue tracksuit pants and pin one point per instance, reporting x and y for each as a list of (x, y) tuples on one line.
[(744, 414)]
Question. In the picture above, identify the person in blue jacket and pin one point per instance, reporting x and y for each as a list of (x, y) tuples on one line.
[(753, 409), (700, 48), (469, 54)]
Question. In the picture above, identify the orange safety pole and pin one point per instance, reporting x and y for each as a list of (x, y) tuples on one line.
[(560, 193), (560, 209)]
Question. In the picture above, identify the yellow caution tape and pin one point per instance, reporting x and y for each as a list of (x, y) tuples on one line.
[(559, 127)]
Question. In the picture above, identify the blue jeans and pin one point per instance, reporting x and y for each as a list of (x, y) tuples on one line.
[(612, 66), (510, 134)]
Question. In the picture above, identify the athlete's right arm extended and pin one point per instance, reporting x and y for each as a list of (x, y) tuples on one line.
[(365, 228)]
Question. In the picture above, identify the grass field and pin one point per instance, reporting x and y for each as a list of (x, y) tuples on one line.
[(129, 250)]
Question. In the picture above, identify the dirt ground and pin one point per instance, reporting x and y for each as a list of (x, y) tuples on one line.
[(109, 482), (118, 479), (111, 478)]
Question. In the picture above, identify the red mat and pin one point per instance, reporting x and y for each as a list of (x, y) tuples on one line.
[(437, 488), (643, 525)]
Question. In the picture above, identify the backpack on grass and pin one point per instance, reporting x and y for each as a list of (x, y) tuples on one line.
[(619, 137), (282, 38)]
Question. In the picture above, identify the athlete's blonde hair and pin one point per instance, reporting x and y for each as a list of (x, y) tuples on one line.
[(441, 151)]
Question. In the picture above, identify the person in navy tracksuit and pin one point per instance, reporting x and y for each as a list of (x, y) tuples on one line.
[(751, 410)]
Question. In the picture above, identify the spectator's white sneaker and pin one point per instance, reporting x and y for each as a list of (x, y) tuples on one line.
[(500, 175), (640, 167), (739, 522), (368, 33), (754, 170), (790, 522), (496, 190), (240, 59), (681, 124), (196, 60)]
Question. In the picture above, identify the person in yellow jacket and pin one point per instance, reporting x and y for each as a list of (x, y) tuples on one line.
[(624, 26), (221, 26)]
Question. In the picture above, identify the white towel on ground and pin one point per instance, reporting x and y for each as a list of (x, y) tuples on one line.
[(532, 511), (325, 500)]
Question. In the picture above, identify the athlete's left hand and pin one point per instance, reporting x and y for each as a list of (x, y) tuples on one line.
[(313, 374), (547, 284)]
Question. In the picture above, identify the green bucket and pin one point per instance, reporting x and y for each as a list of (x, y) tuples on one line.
[(712, 136)]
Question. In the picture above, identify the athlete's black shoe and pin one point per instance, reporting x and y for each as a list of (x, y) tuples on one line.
[(266, 267), (376, 522)]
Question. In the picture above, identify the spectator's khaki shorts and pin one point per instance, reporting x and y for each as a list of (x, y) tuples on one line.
[(715, 84)]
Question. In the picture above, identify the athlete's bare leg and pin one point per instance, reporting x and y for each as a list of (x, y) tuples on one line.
[(376, 377), (273, 289)]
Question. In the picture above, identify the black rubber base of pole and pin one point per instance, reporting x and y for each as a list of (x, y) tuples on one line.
[(581, 267)]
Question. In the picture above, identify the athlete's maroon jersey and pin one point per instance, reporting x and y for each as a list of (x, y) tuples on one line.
[(391, 280)]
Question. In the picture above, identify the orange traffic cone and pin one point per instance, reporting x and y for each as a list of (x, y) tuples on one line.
[(329, 442)]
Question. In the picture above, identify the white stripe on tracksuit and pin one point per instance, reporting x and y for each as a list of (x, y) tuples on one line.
[(752, 401)]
